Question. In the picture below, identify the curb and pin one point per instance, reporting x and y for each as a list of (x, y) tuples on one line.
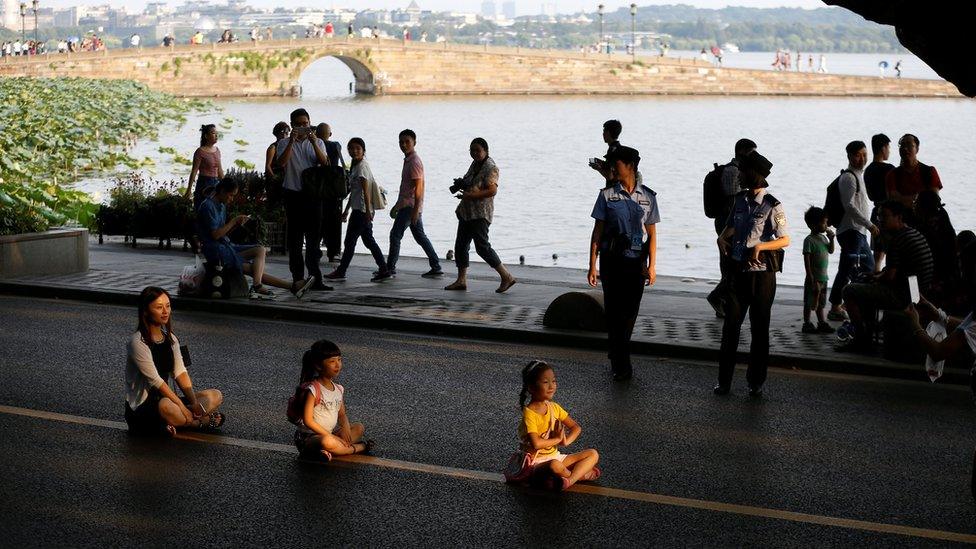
[(550, 337)]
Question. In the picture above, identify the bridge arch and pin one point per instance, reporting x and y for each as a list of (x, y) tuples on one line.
[(362, 70)]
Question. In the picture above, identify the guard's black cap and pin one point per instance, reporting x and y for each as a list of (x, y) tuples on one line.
[(626, 154), (757, 163)]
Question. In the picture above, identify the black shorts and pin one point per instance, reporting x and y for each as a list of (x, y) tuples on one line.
[(145, 419)]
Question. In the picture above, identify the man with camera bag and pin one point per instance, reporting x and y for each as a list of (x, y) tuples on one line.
[(754, 237), (298, 152)]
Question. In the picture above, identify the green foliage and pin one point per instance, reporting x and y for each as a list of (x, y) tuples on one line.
[(244, 164), (93, 122)]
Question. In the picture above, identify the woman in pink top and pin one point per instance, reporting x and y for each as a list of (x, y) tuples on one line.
[(206, 170)]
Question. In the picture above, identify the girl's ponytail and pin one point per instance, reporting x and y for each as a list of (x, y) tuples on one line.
[(312, 359), (530, 374)]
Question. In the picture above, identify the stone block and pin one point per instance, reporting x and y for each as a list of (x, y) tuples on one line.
[(58, 251), (577, 311)]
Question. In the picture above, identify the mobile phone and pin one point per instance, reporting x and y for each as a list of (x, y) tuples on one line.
[(913, 289)]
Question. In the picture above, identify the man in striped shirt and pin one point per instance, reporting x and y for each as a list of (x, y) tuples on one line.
[(908, 255)]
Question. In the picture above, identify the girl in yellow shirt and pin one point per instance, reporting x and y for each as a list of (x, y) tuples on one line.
[(546, 427)]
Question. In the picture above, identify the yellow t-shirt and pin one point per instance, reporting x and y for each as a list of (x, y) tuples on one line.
[(533, 422)]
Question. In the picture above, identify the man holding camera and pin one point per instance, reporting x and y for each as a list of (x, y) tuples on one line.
[(296, 153)]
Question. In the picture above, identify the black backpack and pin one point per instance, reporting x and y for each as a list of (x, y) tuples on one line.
[(713, 196), (832, 204)]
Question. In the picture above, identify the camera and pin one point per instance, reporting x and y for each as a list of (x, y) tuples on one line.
[(307, 130), (459, 185)]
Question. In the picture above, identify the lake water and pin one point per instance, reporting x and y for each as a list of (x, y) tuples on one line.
[(542, 144)]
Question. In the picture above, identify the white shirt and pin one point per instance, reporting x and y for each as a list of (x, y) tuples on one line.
[(140, 370), (326, 412), (854, 198), (302, 158), (968, 328), (360, 171)]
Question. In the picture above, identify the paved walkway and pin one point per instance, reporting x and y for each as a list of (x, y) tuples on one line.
[(675, 320)]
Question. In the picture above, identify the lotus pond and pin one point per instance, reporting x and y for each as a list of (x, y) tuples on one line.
[(54, 132)]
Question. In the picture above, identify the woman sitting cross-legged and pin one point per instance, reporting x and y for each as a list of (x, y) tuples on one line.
[(213, 227), (154, 359)]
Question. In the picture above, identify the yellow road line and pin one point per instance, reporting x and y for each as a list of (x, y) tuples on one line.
[(647, 497)]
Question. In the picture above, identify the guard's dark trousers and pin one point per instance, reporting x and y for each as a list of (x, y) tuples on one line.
[(304, 218), (623, 288), (752, 292)]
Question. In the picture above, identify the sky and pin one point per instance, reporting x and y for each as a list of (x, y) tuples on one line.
[(523, 7)]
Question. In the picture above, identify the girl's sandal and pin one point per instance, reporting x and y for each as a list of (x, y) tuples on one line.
[(593, 474), (368, 446), (170, 431), (216, 419)]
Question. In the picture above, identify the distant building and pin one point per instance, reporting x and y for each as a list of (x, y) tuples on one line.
[(508, 10), (548, 9), (409, 16), (488, 10), (66, 18)]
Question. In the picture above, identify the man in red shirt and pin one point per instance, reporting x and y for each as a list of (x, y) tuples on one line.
[(911, 176)]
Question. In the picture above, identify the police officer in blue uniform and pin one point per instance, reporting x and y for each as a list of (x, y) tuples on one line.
[(754, 237), (625, 241)]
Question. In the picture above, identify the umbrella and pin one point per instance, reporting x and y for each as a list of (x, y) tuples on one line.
[(883, 64)]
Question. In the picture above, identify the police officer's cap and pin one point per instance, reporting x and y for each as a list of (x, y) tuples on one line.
[(625, 154), (757, 163)]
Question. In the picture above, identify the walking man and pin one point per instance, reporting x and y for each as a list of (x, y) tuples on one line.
[(331, 207), (854, 227), (874, 181), (754, 235), (409, 207), (298, 152)]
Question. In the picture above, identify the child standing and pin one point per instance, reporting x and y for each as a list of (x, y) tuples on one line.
[(817, 247), (323, 427), (546, 427)]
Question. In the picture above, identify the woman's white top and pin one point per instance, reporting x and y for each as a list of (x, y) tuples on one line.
[(140, 370)]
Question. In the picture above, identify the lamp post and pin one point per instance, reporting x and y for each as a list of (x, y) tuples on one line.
[(599, 10), (23, 28), (633, 30), (35, 3)]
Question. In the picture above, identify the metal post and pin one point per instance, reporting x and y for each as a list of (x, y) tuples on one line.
[(23, 26), (35, 2), (599, 10), (633, 30)]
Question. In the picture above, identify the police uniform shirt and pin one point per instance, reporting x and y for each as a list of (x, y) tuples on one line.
[(625, 215), (755, 218)]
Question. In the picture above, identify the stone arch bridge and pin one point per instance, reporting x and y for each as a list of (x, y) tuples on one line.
[(392, 67)]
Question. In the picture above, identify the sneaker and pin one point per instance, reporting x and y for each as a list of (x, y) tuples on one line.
[(433, 273), (335, 275), (381, 276), (836, 315), (845, 332), (717, 305), (392, 272), (809, 328), (824, 328), (299, 287)]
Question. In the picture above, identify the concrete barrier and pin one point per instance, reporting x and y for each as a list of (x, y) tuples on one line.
[(577, 311), (58, 251)]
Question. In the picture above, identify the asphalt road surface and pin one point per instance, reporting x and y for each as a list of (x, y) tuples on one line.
[(821, 460)]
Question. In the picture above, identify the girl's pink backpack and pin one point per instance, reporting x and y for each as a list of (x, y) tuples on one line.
[(296, 403)]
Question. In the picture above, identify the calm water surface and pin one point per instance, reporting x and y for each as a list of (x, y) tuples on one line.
[(542, 144)]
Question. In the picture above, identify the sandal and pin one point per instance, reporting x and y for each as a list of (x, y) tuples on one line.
[(593, 474), (456, 286), (368, 446), (216, 420)]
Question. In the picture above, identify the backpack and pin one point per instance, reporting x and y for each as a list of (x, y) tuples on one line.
[(832, 204), (713, 196), (296, 403)]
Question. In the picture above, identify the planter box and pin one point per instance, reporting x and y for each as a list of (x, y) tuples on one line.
[(58, 251)]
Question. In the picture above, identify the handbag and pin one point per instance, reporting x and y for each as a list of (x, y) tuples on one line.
[(521, 464), (192, 278)]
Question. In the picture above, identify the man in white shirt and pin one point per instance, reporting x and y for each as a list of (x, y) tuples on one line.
[(296, 153), (855, 226)]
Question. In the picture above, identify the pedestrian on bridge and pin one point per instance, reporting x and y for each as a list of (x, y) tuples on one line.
[(154, 361)]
